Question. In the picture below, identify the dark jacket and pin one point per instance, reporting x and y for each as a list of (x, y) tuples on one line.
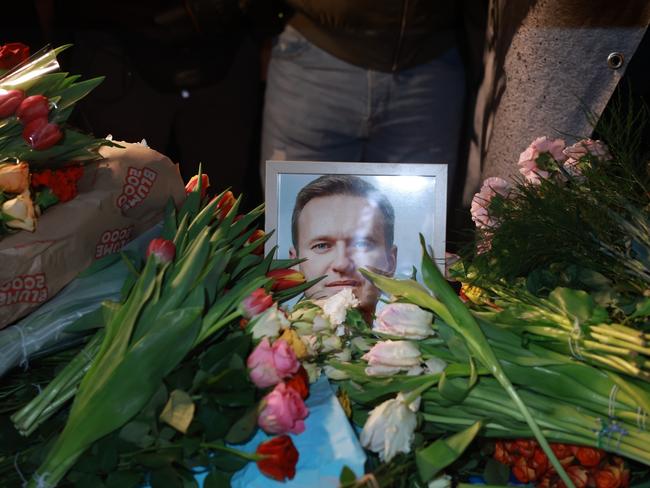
[(384, 35)]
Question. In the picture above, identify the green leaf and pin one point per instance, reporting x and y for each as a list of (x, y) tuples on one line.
[(347, 476), (228, 462), (442, 452), (496, 473), (217, 479), (577, 304), (242, 430), (124, 479), (455, 391)]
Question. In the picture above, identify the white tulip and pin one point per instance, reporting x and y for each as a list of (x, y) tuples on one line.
[(390, 428), (404, 320)]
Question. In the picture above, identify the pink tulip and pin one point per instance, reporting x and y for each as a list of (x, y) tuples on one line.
[(256, 303), (270, 364), (283, 411), (162, 249)]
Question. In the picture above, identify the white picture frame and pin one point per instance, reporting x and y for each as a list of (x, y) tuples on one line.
[(418, 193)]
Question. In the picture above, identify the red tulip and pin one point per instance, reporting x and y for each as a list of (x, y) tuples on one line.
[(279, 458), (256, 303), (32, 108), (41, 134), (285, 278), (9, 102), (225, 204), (256, 235), (162, 249), (194, 183), (12, 54)]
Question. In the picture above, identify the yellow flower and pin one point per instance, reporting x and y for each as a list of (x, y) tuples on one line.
[(344, 400), (291, 337)]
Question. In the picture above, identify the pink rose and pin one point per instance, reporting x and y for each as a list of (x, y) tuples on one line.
[(283, 411), (481, 201), (533, 162), (270, 364)]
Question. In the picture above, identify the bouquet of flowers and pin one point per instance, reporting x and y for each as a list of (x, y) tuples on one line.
[(163, 382), (35, 103)]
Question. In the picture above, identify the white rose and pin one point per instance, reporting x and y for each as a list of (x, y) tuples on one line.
[(313, 371), (21, 211), (331, 343), (336, 306), (390, 428), (268, 323), (404, 320)]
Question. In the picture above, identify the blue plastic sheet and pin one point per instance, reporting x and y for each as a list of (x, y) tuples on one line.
[(325, 447)]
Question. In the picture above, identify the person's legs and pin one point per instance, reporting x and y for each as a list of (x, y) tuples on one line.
[(315, 104), (417, 113)]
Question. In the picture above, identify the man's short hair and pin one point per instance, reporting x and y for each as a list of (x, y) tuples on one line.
[(330, 185)]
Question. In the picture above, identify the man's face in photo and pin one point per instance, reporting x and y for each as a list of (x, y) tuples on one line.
[(338, 234)]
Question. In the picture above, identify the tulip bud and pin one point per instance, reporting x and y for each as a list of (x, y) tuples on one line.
[(194, 183), (9, 102), (14, 178), (285, 278), (162, 250), (225, 204), (40, 134), (32, 108), (255, 303), (21, 211), (256, 235)]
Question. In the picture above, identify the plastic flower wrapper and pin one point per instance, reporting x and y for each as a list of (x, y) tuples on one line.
[(34, 131)]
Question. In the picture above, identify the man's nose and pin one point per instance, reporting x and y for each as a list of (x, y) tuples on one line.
[(343, 262)]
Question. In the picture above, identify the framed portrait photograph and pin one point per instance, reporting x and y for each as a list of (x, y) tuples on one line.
[(344, 216)]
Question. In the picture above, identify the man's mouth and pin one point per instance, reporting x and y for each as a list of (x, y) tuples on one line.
[(351, 283)]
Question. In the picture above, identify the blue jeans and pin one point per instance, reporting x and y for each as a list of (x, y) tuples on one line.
[(319, 108)]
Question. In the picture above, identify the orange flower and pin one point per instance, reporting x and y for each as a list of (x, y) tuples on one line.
[(501, 454), (577, 474), (14, 178)]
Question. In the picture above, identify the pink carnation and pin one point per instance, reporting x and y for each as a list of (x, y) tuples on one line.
[(528, 164), (597, 150), (481, 201), (283, 411)]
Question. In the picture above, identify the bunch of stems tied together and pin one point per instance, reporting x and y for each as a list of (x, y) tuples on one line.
[(511, 387), (173, 306)]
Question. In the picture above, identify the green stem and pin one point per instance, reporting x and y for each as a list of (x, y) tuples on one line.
[(414, 394), (229, 450)]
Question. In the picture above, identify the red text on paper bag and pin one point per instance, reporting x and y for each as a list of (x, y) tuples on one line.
[(112, 241), (24, 289), (137, 185)]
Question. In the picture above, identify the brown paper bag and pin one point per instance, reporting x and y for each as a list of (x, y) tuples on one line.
[(120, 197)]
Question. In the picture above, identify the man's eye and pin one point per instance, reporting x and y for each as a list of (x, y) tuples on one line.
[(320, 246), (363, 244)]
